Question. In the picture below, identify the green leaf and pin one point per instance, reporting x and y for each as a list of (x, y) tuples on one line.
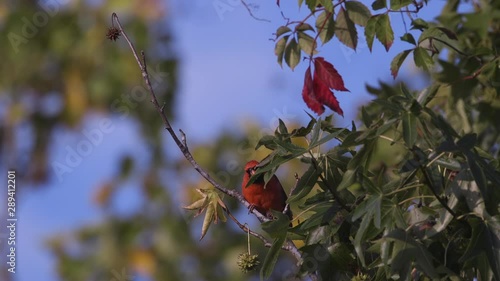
[(272, 257), (348, 179), (370, 31), (324, 213), (358, 12), (327, 138), (368, 184), (426, 95), (379, 4), (316, 131), (477, 173), (271, 166), (305, 184), (282, 30), (279, 49), (398, 4), (267, 141), (326, 29), (311, 4), (328, 4), (383, 30), (345, 30), (435, 178), (379, 26), (292, 54), (282, 129), (397, 62), (406, 92), (277, 227), (365, 117), (306, 43), (485, 238), (419, 24), (422, 59), (304, 131), (290, 147), (407, 37), (362, 156), (467, 142), (437, 32), (415, 250), (409, 128), (269, 174), (303, 27), (359, 237), (386, 126)]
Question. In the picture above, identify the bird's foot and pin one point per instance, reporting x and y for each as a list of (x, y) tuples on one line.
[(251, 208)]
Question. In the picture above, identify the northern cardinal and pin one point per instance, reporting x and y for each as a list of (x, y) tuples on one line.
[(272, 196)]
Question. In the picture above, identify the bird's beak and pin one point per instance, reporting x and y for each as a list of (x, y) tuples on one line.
[(251, 171)]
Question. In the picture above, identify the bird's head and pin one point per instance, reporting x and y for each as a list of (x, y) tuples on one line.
[(250, 168)]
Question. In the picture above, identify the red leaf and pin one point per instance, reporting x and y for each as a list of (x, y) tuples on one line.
[(308, 94), (325, 96), (326, 72)]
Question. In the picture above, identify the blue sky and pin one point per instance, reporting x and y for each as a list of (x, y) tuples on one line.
[(228, 75)]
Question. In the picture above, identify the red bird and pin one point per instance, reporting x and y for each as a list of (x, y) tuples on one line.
[(272, 196)]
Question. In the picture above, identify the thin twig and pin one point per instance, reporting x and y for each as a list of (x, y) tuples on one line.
[(247, 229), (289, 246), (245, 4)]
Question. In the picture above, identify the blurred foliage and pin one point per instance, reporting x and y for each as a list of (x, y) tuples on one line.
[(162, 241), (58, 67)]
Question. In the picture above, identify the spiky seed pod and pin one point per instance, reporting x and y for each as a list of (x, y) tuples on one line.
[(113, 33), (248, 262)]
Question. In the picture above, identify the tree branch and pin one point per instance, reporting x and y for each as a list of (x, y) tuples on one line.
[(289, 246), (245, 4)]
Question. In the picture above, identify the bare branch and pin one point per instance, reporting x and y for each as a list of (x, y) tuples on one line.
[(245, 4), (289, 246)]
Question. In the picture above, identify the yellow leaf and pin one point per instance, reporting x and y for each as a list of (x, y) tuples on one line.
[(200, 204), (75, 93), (143, 261), (209, 216)]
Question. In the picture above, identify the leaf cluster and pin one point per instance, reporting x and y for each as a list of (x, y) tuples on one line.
[(404, 195)]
